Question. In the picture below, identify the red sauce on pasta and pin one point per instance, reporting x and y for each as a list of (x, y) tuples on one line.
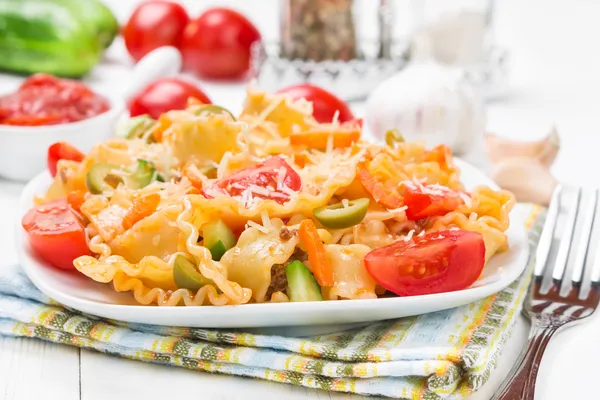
[(47, 100)]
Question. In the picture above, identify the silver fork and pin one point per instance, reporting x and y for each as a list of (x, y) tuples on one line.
[(565, 286)]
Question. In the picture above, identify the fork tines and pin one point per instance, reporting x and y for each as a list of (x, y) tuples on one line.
[(567, 259)]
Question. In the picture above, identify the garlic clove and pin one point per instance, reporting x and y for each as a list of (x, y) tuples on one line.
[(527, 178), (544, 150)]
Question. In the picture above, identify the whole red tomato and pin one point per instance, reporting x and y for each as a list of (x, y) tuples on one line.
[(325, 104), (165, 94), (153, 24), (217, 44)]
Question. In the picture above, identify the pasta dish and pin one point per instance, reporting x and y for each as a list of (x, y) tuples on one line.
[(201, 207)]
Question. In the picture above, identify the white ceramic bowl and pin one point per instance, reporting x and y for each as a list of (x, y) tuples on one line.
[(23, 149)]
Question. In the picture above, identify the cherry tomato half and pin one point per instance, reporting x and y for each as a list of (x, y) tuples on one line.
[(424, 201), (438, 262), (165, 94), (62, 151), (217, 44), (154, 24), (56, 233), (325, 104), (271, 175)]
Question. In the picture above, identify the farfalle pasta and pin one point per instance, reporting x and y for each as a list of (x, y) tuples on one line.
[(204, 208)]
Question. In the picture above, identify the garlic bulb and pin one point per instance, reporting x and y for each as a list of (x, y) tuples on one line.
[(527, 178), (524, 167), (544, 150), (427, 102)]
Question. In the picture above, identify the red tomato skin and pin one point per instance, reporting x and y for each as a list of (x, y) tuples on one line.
[(62, 151), (56, 234), (456, 257), (217, 45), (325, 104), (163, 95), (154, 24), (426, 202), (264, 175)]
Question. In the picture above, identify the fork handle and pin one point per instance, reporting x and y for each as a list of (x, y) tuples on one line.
[(520, 382)]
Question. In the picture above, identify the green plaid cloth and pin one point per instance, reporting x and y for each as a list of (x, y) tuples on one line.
[(443, 355)]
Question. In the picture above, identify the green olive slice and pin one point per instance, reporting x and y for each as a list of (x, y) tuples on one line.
[(339, 216)]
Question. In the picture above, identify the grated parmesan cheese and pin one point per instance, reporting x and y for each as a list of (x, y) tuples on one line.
[(421, 234), (467, 199), (397, 210), (266, 221), (410, 235), (473, 216), (336, 117), (285, 189), (345, 203), (258, 227)]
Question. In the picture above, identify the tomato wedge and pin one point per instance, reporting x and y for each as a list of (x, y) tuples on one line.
[(56, 233), (272, 179), (424, 201), (438, 262), (62, 151)]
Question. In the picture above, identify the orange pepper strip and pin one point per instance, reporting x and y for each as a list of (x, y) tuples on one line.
[(161, 126), (317, 257), (192, 176), (440, 154), (75, 199), (317, 138), (380, 194), (141, 208)]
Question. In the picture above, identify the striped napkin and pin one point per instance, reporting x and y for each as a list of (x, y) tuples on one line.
[(443, 355)]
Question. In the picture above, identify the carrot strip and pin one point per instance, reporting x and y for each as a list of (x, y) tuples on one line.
[(161, 126), (440, 154), (141, 208), (319, 263), (343, 136), (191, 173), (376, 189), (75, 199)]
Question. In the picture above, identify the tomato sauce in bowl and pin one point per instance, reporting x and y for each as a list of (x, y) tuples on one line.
[(47, 100)]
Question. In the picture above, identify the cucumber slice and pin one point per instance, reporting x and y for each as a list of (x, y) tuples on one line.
[(135, 127), (144, 174), (186, 276), (218, 238), (302, 285), (96, 178), (213, 109)]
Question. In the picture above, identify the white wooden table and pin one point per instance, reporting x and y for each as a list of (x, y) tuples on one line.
[(556, 79)]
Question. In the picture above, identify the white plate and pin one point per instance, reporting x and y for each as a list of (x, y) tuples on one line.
[(81, 293)]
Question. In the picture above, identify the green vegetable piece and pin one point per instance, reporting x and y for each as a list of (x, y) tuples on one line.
[(186, 276), (99, 178), (302, 285), (392, 137), (135, 127), (336, 216), (218, 238), (213, 109), (60, 37), (143, 175)]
